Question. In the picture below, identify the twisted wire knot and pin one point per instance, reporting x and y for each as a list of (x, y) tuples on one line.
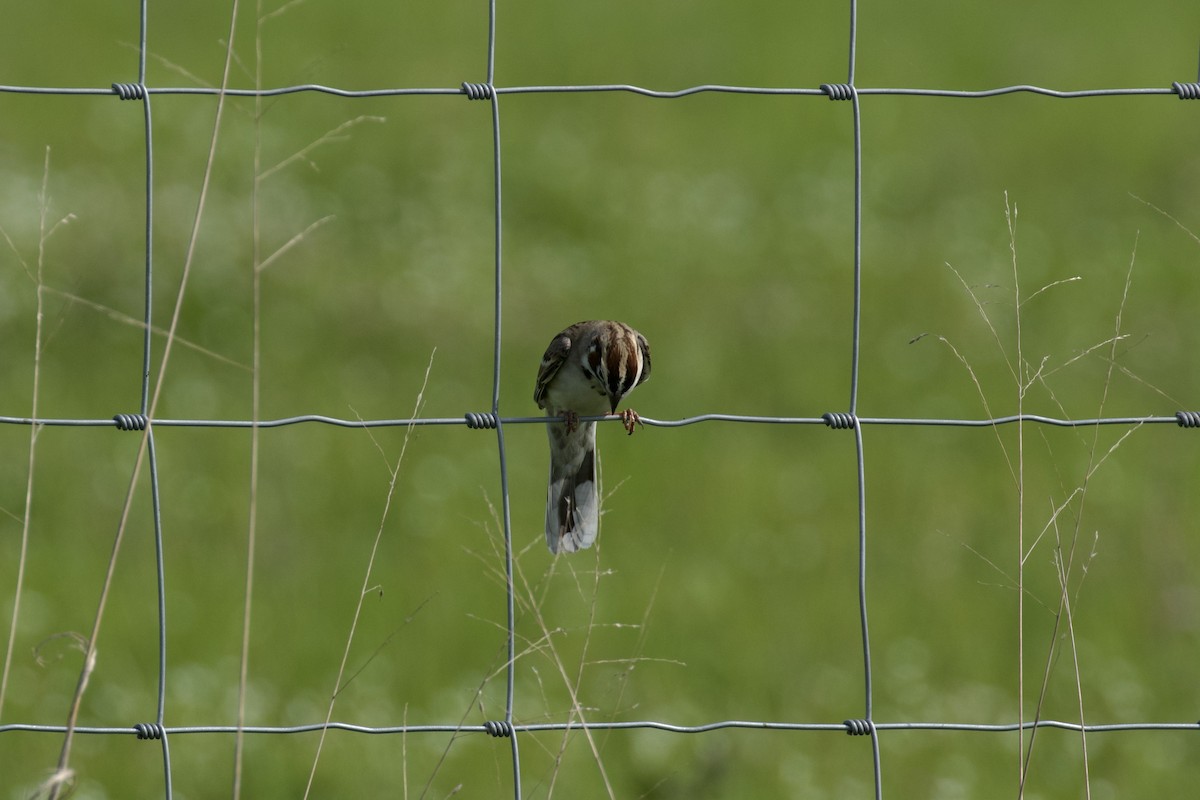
[(498, 728), (148, 730), (858, 727), (477, 91), (129, 91), (130, 422), (1187, 91), (838, 91), (839, 420), (1188, 419), (483, 421)]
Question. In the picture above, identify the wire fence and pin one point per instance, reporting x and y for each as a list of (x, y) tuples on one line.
[(143, 420)]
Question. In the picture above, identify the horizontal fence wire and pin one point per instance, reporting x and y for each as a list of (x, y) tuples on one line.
[(143, 421), (480, 91), (851, 727), (1182, 419)]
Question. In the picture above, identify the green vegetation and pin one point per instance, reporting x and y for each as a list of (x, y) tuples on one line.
[(724, 585)]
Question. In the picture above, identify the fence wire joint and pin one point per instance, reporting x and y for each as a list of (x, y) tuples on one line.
[(477, 91), (858, 727), (148, 730), (839, 420), (129, 91), (130, 422), (483, 421), (1187, 91), (838, 91), (1188, 419), (498, 728)]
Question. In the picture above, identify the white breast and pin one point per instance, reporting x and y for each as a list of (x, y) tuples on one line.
[(573, 390)]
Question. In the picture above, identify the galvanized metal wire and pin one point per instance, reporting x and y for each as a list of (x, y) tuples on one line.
[(140, 422)]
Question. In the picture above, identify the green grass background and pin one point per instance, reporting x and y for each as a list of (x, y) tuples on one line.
[(724, 585)]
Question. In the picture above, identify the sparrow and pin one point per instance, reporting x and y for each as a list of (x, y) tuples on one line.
[(586, 371)]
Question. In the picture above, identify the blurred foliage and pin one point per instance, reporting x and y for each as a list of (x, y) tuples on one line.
[(725, 583)]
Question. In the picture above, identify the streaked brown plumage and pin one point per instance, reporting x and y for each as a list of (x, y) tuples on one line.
[(586, 371)]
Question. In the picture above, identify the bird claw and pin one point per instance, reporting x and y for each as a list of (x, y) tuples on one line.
[(630, 418), (571, 420)]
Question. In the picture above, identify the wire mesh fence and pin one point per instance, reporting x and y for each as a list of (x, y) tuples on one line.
[(506, 698)]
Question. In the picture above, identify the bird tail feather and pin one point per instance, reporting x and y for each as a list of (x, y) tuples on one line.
[(573, 504)]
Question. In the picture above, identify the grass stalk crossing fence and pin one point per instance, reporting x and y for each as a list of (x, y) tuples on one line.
[(161, 344)]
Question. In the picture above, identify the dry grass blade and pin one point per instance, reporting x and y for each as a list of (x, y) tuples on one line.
[(194, 236), (38, 275), (1069, 569), (394, 470)]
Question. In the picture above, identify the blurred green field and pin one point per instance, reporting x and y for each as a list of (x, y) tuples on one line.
[(724, 585)]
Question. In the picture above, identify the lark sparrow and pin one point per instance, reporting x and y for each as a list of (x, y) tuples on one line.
[(585, 372)]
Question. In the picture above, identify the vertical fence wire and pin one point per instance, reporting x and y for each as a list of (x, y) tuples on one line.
[(506, 506), (489, 91), (860, 462), (144, 406)]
